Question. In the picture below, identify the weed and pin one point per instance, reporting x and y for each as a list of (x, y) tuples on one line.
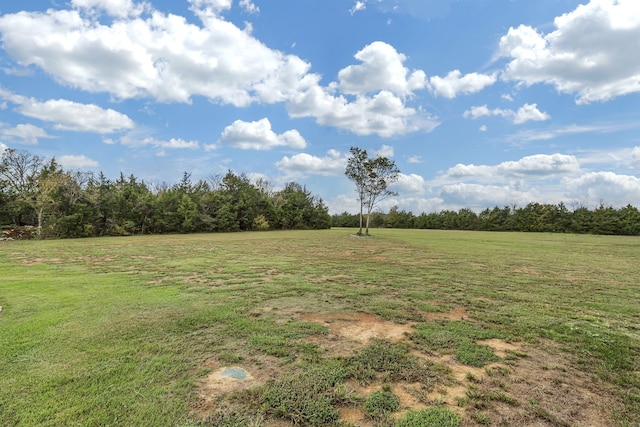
[(481, 418), (305, 398), (458, 337), (472, 378), (381, 403), (472, 354), (431, 416), (393, 361)]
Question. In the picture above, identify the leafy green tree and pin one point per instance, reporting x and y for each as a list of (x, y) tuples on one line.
[(372, 177), (19, 171)]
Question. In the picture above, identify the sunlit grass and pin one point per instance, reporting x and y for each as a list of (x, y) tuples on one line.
[(115, 331)]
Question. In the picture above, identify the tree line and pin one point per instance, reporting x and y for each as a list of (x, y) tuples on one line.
[(59, 203), (534, 217)]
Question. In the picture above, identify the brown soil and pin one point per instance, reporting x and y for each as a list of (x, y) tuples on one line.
[(542, 386)]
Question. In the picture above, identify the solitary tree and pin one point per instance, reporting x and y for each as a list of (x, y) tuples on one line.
[(372, 177)]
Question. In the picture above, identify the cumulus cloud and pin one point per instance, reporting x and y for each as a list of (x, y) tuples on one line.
[(258, 135), (593, 52), (478, 196), (77, 162), (455, 83), (605, 187), (161, 56), (483, 111), (528, 112), (383, 114), (411, 183), (381, 68), (385, 151), (333, 164), (538, 165), (24, 134), (70, 115), (116, 8), (74, 116), (164, 57)]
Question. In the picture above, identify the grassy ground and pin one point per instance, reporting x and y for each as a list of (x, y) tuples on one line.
[(123, 331)]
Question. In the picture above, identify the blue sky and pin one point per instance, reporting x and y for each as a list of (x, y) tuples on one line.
[(479, 102)]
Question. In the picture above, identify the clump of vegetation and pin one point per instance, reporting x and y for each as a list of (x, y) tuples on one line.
[(391, 361), (381, 403), (432, 416), (459, 338), (306, 398)]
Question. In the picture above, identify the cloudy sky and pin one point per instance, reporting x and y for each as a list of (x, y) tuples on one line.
[(479, 102)]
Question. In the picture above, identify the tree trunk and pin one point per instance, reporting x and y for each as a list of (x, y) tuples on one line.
[(360, 231), (368, 216)]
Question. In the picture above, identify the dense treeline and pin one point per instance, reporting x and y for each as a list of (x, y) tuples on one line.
[(533, 217), (63, 204)]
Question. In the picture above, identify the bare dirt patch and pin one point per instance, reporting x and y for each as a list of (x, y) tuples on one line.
[(530, 386), (458, 313), (360, 328)]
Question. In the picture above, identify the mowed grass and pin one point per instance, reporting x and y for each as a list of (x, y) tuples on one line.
[(116, 331)]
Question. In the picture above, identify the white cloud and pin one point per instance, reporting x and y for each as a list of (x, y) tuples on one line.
[(593, 52), (538, 165), (385, 151), (258, 135), (166, 58), (116, 8), (358, 6), (605, 187), (384, 114), (162, 57), (528, 112), (24, 134), (483, 128), (414, 159), (381, 69), (483, 111), (477, 196), (249, 7), (69, 115), (174, 143), (455, 83), (301, 164), (81, 161), (551, 133), (412, 183)]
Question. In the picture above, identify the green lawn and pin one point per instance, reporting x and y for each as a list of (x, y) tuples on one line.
[(122, 331)]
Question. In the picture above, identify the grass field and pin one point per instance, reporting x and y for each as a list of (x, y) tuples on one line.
[(405, 328)]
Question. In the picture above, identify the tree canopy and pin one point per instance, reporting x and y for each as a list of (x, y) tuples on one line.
[(60, 203)]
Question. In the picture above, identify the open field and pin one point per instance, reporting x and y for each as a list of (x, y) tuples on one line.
[(322, 328)]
